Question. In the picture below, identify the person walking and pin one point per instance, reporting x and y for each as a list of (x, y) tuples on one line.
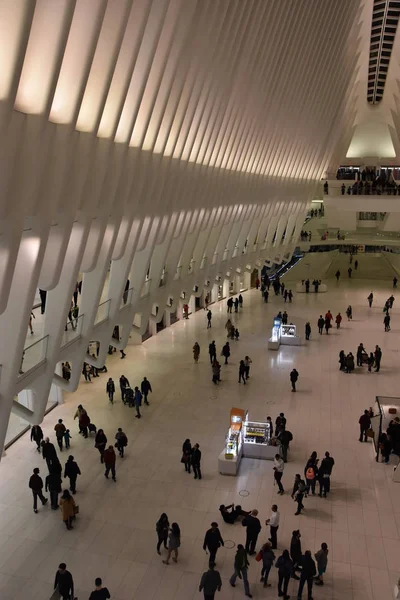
[(322, 562), (71, 470), (49, 453), (386, 322), (67, 438), (241, 565), (121, 442), (162, 527), (60, 429), (186, 454), (285, 569), (83, 422), (253, 528), (229, 305), (242, 371), (226, 352), (210, 582), (196, 460), (240, 300), (371, 361), (212, 351), (338, 320), (138, 402), (273, 523), (349, 313), (123, 384), (308, 572), (308, 330), (212, 541), (359, 355), (267, 557), (100, 592), (395, 282), (67, 505), (321, 323), (196, 352), (279, 466), (285, 437), (280, 423), (53, 485), (247, 363), (294, 375), (311, 474), (324, 475), (174, 542), (64, 583), (100, 443), (378, 358), (209, 317), (236, 303), (110, 390), (37, 436), (337, 275), (365, 424), (109, 462), (299, 489), (349, 271), (295, 552), (145, 386), (370, 299), (36, 485)]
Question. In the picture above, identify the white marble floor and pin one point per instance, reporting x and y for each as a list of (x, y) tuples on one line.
[(115, 535)]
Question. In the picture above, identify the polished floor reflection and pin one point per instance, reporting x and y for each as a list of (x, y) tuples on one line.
[(115, 534)]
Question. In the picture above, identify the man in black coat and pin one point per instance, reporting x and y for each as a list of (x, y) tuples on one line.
[(324, 474), (308, 572), (37, 435), (145, 388), (295, 551), (71, 471), (49, 453), (253, 528), (195, 460), (294, 375), (212, 351), (64, 583), (365, 424), (53, 485), (36, 485), (123, 384), (212, 541)]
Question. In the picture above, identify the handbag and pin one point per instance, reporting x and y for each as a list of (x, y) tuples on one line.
[(259, 556), (370, 433), (76, 509)]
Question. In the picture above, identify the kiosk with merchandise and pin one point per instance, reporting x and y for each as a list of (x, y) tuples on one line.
[(250, 439), (283, 334)]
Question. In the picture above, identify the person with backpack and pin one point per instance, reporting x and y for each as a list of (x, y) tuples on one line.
[(294, 375), (60, 429), (311, 478), (210, 582), (121, 442), (267, 557), (299, 489), (110, 390), (285, 437), (123, 384), (285, 569), (322, 562)]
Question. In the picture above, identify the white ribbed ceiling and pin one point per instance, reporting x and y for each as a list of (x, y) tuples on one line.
[(249, 85)]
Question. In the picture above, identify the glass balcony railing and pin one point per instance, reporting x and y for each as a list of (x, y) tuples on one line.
[(72, 333), (103, 312), (127, 297), (33, 356)]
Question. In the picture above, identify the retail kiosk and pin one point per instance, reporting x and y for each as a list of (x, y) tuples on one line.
[(284, 335), (245, 438)]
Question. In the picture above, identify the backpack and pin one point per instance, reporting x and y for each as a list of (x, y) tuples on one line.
[(310, 473), (302, 487)]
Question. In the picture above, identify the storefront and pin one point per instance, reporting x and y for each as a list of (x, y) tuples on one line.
[(283, 334)]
